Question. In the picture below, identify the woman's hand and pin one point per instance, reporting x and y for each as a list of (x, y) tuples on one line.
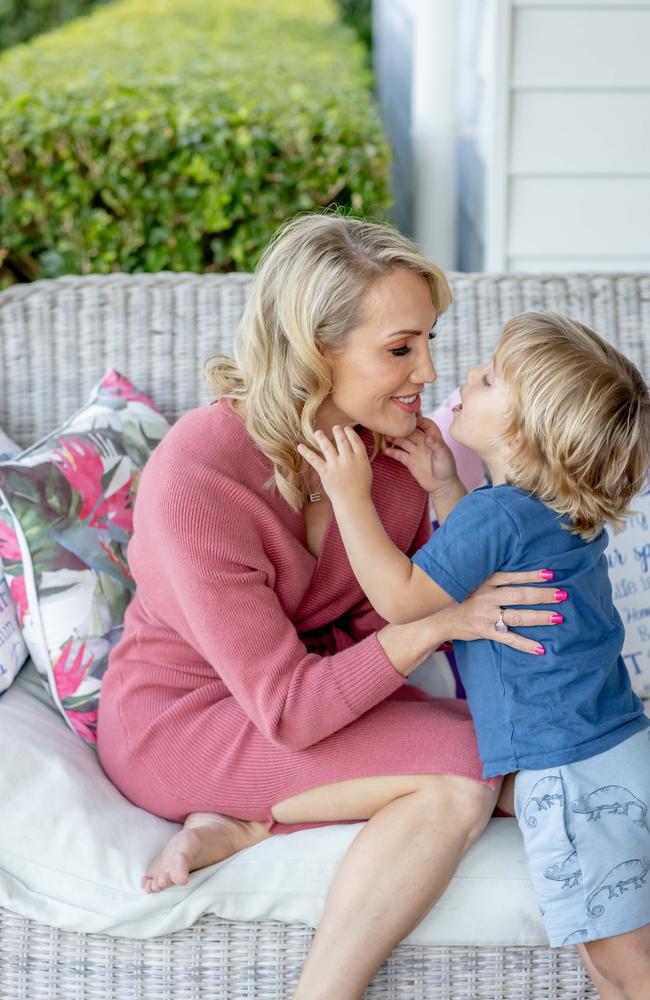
[(426, 456), (475, 618), (344, 468)]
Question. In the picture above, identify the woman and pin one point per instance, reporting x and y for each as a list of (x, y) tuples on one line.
[(254, 690)]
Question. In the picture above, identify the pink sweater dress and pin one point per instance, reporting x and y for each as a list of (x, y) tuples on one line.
[(248, 669)]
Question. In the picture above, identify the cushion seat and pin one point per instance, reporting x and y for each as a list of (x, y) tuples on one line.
[(76, 848)]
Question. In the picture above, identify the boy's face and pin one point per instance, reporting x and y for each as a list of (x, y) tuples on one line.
[(480, 420)]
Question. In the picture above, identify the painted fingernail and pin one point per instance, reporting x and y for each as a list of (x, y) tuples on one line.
[(556, 618), (539, 650), (560, 595), (546, 574)]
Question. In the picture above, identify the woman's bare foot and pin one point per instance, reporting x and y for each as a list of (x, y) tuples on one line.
[(205, 839)]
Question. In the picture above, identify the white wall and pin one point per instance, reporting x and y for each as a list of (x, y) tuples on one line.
[(527, 125), (577, 168)]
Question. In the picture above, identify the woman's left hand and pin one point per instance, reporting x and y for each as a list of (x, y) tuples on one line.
[(344, 468)]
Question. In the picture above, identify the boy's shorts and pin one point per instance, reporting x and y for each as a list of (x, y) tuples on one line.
[(587, 836)]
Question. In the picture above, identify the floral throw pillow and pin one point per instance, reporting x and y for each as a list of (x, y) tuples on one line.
[(13, 651), (65, 523)]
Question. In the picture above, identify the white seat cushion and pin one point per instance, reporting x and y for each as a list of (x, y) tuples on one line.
[(72, 850)]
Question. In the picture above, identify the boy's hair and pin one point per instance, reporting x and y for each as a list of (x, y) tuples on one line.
[(579, 427)]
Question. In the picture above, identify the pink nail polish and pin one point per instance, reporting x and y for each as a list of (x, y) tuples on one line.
[(560, 595), (539, 650), (556, 619), (546, 574)]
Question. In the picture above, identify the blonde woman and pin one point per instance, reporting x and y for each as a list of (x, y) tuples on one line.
[(562, 420), (255, 690)]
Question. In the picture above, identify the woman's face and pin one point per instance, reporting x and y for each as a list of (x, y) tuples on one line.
[(379, 375)]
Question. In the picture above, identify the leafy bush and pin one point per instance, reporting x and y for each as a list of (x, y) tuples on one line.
[(358, 13), (178, 134), (22, 19)]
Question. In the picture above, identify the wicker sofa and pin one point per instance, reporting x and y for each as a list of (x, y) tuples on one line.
[(56, 337)]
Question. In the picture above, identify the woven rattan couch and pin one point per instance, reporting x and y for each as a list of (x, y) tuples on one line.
[(56, 338)]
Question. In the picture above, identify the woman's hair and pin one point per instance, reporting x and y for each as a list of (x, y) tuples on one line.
[(310, 286), (579, 419)]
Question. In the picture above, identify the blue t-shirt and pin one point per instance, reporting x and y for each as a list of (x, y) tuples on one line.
[(536, 711)]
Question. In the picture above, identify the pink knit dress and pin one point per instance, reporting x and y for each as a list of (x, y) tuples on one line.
[(249, 670)]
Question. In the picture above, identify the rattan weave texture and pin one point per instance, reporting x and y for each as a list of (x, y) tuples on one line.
[(56, 337), (220, 960)]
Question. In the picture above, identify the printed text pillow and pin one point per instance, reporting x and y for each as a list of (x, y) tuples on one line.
[(628, 555), (66, 520)]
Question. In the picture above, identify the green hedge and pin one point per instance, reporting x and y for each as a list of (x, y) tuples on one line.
[(178, 134), (358, 13), (22, 19)]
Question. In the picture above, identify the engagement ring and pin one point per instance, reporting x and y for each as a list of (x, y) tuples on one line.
[(500, 625)]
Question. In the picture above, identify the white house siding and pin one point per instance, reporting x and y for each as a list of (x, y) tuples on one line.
[(572, 189), (521, 130)]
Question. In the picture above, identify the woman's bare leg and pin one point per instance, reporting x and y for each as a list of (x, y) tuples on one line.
[(392, 874)]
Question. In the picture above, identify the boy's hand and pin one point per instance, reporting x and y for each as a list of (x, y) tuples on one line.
[(344, 469), (426, 456)]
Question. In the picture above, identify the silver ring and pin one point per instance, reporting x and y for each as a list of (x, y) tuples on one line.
[(499, 624)]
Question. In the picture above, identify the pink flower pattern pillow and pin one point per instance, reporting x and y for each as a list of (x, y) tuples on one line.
[(65, 524)]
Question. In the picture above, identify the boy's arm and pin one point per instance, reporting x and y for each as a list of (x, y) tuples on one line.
[(444, 500), (431, 463), (398, 590)]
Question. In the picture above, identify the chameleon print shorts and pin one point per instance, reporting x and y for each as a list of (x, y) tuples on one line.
[(586, 831)]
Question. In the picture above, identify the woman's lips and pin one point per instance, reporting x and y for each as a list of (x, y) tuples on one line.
[(409, 407)]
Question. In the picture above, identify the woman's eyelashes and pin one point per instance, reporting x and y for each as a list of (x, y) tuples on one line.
[(400, 352), (485, 381)]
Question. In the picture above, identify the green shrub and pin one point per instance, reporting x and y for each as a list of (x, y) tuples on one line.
[(22, 19), (358, 13), (178, 134)]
